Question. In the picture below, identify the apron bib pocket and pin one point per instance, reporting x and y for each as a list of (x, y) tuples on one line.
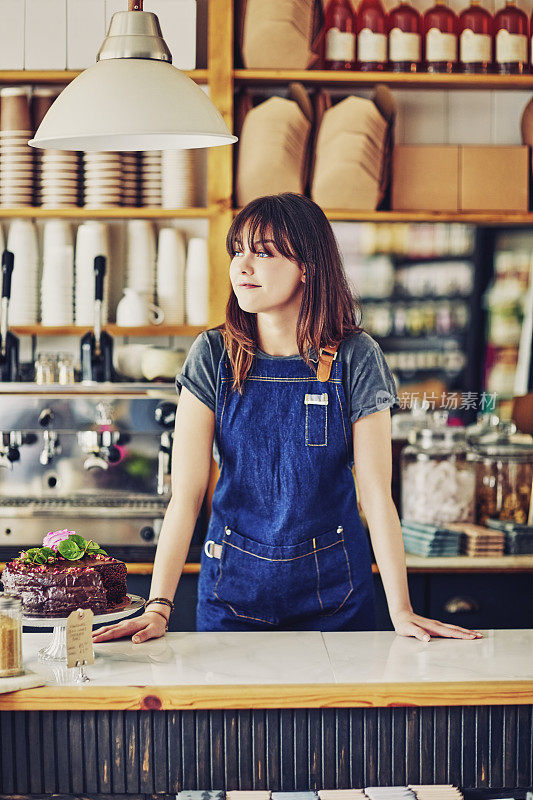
[(316, 420), (270, 584)]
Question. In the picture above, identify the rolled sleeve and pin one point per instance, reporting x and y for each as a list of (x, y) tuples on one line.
[(373, 387), (198, 373)]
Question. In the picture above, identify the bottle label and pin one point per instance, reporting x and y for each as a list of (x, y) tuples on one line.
[(372, 46), (475, 47), (404, 46), (440, 46), (340, 45), (510, 47)]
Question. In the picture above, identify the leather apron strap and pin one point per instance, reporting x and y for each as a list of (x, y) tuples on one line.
[(326, 356)]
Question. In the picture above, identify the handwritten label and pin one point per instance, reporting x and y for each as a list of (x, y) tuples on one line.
[(79, 637)]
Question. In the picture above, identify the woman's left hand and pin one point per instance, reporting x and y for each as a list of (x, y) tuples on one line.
[(407, 623)]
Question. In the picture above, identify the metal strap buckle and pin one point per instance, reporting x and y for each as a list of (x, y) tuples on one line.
[(328, 353), (212, 549)]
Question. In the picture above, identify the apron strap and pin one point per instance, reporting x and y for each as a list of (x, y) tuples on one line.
[(326, 357)]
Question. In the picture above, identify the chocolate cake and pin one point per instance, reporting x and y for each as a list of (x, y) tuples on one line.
[(95, 581)]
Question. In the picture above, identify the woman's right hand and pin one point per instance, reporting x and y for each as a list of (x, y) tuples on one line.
[(149, 625)]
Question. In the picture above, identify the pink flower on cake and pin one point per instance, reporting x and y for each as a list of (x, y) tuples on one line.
[(53, 538)]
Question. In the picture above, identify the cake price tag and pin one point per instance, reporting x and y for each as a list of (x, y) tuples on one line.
[(79, 638)]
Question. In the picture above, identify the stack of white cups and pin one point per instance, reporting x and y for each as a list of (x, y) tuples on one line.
[(140, 265), (179, 169), (57, 281), (91, 240), (196, 282), (22, 241), (171, 275)]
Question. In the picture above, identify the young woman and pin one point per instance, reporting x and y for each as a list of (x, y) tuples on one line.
[(290, 393)]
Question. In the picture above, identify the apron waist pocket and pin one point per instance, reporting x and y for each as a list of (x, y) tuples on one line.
[(271, 583)]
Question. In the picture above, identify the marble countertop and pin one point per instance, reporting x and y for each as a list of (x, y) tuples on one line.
[(288, 668)]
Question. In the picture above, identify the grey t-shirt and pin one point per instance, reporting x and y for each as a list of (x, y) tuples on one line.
[(368, 383)]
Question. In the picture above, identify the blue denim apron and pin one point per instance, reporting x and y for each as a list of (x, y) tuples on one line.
[(285, 547)]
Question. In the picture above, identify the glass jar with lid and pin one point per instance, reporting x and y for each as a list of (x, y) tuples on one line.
[(503, 460), (10, 635), (438, 480)]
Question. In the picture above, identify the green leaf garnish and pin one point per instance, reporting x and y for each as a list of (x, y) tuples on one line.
[(70, 550), (48, 553), (79, 540)]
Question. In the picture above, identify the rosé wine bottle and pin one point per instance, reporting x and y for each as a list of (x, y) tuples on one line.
[(511, 40), (371, 36), (440, 38), (405, 38), (475, 39), (339, 35)]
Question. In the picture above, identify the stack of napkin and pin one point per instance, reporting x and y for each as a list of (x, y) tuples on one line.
[(430, 540), (518, 538), (389, 793), (341, 794), (479, 540), (243, 794), (437, 792)]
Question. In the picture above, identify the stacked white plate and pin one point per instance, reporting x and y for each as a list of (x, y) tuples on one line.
[(179, 170), (22, 241), (170, 281), (102, 180), (57, 280), (140, 263), (130, 179), (16, 157), (92, 239), (59, 179), (151, 178)]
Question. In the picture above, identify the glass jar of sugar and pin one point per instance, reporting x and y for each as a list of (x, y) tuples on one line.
[(438, 480), (10, 636)]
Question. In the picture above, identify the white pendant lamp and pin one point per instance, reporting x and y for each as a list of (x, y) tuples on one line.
[(132, 98)]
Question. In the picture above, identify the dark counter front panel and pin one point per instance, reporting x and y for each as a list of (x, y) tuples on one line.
[(154, 752)]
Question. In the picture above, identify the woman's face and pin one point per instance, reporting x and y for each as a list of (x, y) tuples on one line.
[(264, 280)]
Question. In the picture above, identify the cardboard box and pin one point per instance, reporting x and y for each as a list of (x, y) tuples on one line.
[(45, 45), (425, 178), (494, 178), (12, 34), (85, 32)]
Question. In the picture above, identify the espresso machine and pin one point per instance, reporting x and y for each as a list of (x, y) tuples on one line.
[(90, 461)]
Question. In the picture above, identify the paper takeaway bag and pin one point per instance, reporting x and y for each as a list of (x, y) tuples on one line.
[(273, 147), (352, 151), (279, 34)]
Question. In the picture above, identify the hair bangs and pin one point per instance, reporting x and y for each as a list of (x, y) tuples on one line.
[(262, 226)]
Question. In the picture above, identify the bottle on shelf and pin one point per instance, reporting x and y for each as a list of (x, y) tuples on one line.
[(475, 39), (405, 38), (440, 38), (511, 40), (339, 35), (371, 36)]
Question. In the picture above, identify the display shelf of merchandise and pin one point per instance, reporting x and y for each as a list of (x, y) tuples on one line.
[(403, 80), (120, 212), (114, 330), (65, 76)]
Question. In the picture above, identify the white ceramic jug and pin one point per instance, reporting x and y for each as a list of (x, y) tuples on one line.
[(135, 310)]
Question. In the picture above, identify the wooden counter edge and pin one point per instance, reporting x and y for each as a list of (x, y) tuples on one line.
[(190, 697)]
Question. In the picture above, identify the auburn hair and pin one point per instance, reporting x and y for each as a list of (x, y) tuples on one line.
[(329, 311)]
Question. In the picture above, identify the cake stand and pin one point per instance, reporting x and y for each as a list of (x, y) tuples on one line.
[(57, 649)]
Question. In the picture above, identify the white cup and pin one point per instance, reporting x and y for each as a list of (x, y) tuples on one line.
[(196, 282), (136, 310)]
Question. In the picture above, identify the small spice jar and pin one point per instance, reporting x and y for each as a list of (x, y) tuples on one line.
[(503, 460), (10, 635), (438, 481)]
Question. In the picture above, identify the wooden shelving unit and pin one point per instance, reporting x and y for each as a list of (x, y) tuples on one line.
[(399, 80), (114, 330), (64, 76), (119, 212)]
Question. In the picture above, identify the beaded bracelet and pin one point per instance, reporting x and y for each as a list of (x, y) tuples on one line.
[(163, 600)]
